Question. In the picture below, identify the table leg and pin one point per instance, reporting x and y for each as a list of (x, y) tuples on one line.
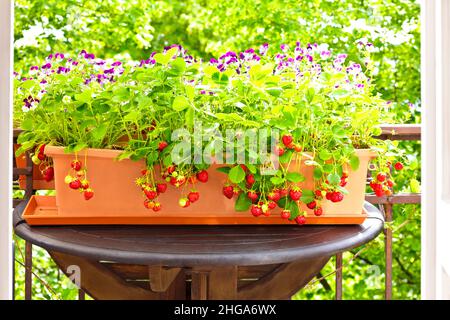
[(218, 283)]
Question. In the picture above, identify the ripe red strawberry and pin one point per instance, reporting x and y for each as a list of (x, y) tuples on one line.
[(250, 179), (311, 205), (243, 166), (337, 196), (149, 204), (184, 202), (279, 151), (41, 148), (390, 183), (283, 192), (271, 205), (84, 184), (49, 173), (256, 211), (157, 206), (161, 187), (162, 145), (202, 176), (150, 193), (76, 165), (381, 176), (300, 220), (274, 196), (287, 140), (75, 184), (228, 191), (318, 211), (398, 166), (88, 194), (379, 192), (295, 193), (329, 195), (285, 214), (318, 194), (376, 186), (41, 156), (193, 196), (252, 195), (343, 182)]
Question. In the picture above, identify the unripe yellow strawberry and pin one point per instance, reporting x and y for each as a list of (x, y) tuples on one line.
[(68, 179)]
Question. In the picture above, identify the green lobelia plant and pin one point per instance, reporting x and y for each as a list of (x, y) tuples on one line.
[(182, 114)]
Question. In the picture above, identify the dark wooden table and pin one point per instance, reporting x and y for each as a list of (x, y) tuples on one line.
[(196, 262)]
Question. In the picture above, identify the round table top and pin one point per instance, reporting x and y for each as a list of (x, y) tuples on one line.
[(201, 245)]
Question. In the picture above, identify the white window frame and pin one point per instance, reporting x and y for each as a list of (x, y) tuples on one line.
[(6, 65)]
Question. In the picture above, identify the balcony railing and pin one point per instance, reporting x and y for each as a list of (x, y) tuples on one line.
[(392, 132)]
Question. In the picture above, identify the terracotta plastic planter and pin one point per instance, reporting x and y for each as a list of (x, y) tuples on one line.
[(118, 200), (39, 182)]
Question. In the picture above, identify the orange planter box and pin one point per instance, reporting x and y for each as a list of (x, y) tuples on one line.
[(118, 200)]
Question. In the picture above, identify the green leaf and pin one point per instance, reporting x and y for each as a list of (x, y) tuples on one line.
[(338, 131), (310, 94), (328, 168), (354, 162), (277, 180), (180, 103), (179, 65), (224, 169), (293, 207), (27, 124), (317, 173), (414, 184), (220, 78), (99, 132), (236, 174), (307, 196), (85, 96), (295, 177), (251, 168), (325, 155), (283, 202), (29, 84), (286, 156), (333, 179), (243, 203)]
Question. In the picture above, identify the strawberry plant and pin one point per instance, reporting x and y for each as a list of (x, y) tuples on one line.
[(309, 105)]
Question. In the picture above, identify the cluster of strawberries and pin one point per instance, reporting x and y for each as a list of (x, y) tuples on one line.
[(78, 180), (39, 158), (193, 195), (175, 177), (151, 191), (263, 206), (287, 143), (382, 184)]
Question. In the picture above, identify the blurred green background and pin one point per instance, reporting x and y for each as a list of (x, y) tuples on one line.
[(135, 28)]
